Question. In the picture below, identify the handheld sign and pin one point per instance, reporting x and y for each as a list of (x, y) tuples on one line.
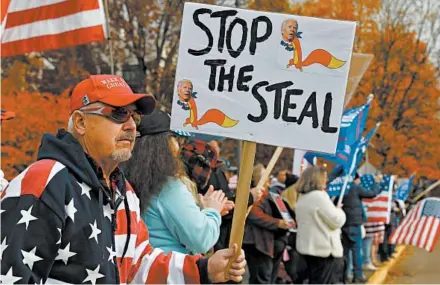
[(261, 77), (283, 211)]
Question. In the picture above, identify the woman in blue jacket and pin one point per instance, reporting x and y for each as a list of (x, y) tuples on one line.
[(177, 220)]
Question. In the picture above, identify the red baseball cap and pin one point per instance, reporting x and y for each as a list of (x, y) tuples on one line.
[(111, 90)]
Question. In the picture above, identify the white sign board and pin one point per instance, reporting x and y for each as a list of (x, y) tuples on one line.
[(270, 78)]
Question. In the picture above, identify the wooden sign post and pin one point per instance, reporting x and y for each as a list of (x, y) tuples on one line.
[(242, 197), (270, 166)]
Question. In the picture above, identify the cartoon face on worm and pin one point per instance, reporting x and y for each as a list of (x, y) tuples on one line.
[(184, 89)]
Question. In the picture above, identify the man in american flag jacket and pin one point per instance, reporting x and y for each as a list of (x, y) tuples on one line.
[(71, 217)]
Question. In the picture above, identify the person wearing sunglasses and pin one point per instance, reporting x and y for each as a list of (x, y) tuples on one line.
[(72, 216)]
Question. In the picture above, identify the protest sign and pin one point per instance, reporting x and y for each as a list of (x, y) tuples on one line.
[(283, 211), (358, 66), (262, 77)]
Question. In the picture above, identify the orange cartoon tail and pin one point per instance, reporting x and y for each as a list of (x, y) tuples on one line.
[(323, 57), (217, 117)]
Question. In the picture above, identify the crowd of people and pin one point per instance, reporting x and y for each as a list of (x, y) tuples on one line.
[(119, 197)]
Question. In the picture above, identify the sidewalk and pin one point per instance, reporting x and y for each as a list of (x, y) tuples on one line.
[(380, 275)]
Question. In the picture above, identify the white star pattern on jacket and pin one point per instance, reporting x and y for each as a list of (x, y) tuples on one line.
[(92, 275), (111, 253), (3, 247), (85, 189), (59, 241), (9, 278), (70, 210), (65, 254), (1, 211), (30, 257), (108, 211), (26, 217), (95, 231)]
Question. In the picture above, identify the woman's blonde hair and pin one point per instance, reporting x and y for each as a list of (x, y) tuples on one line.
[(312, 178), (291, 195), (192, 187), (257, 173)]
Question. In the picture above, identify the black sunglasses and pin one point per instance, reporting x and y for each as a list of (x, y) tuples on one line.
[(117, 114)]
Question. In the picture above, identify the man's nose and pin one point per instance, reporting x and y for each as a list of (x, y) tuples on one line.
[(130, 125)]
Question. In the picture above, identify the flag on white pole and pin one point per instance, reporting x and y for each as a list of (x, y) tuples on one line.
[(37, 25)]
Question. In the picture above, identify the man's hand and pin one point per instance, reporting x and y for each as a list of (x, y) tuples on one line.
[(218, 262), (282, 224), (378, 178)]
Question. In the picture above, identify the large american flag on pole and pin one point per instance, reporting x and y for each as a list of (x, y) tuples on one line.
[(29, 26), (421, 226), (378, 208)]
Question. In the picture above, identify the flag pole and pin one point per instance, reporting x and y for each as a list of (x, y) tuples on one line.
[(341, 196), (109, 38), (429, 189)]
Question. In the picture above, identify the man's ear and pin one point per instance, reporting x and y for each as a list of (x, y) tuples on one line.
[(79, 122)]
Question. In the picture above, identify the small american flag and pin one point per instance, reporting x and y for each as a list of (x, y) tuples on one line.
[(421, 227), (378, 208)]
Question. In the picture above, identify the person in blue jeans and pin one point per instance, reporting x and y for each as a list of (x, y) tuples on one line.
[(352, 229)]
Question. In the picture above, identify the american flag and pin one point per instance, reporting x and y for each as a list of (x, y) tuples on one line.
[(421, 227), (29, 26), (378, 208)]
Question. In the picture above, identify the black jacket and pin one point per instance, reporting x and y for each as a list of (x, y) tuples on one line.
[(262, 225), (219, 181), (352, 203), (60, 223)]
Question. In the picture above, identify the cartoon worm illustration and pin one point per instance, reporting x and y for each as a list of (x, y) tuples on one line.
[(291, 42), (188, 102), (320, 56)]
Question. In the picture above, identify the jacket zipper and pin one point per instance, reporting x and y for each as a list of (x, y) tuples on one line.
[(114, 226)]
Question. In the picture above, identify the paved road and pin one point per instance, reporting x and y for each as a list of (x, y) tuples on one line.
[(416, 266)]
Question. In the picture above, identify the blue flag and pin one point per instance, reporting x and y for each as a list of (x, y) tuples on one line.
[(334, 188), (352, 126), (402, 192), (359, 151)]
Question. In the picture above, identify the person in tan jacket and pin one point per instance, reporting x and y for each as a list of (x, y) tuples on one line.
[(319, 228)]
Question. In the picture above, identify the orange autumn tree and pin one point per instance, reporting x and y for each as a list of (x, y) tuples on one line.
[(36, 113), (405, 82), (402, 75)]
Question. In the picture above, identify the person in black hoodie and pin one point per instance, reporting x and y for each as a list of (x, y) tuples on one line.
[(352, 230), (72, 217)]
